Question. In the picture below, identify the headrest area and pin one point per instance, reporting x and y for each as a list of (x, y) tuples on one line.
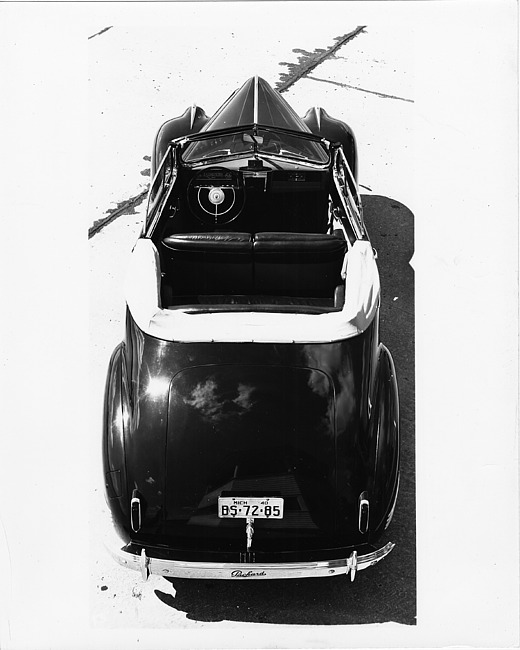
[(297, 242), (206, 241)]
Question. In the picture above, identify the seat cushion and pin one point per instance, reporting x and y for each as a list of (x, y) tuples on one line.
[(297, 264)]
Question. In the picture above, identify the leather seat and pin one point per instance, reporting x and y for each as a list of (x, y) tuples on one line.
[(294, 265), (297, 264), (209, 263), (219, 242)]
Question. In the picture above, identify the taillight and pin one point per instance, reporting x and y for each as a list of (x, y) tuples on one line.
[(364, 512), (135, 511)]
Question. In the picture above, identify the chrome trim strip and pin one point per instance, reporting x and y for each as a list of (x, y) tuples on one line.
[(255, 102), (144, 564), (261, 156), (253, 571), (358, 205), (392, 510), (347, 201), (353, 563)]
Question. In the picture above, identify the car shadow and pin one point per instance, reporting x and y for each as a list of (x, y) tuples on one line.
[(387, 591)]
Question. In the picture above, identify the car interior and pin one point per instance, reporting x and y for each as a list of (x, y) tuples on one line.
[(252, 239)]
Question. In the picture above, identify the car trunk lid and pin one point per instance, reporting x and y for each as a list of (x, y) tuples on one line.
[(250, 430)]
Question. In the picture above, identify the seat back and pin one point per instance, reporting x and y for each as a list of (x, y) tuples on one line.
[(208, 263), (297, 264)]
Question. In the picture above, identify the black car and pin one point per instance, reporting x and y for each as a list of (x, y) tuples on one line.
[(251, 425)]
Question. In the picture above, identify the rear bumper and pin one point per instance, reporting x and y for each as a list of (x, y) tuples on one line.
[(251, 571)]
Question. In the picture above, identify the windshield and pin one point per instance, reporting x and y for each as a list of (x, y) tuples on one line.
[(256, 118), (259, 140)]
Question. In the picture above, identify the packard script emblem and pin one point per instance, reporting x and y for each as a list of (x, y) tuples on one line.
[(248, 574)]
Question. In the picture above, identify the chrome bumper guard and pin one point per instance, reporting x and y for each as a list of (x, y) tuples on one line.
[(252, 571)]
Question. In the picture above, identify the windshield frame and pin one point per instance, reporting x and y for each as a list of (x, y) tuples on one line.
[(184, 142)]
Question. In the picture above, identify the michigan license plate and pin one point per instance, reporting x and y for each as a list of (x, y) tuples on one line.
[(257, 507)]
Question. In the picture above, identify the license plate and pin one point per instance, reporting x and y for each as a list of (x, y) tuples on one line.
[(256, 507)]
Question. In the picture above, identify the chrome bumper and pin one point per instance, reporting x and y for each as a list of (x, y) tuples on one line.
[(251, 571)]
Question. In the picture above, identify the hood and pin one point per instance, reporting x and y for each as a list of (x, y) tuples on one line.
[(256, 103)]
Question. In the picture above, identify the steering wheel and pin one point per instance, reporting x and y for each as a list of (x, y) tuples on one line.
[(216, 195)]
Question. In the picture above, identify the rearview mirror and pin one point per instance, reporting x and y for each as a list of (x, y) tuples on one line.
[(249, 138)]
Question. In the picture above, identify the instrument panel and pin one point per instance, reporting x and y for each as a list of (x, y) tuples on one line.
[(216, 195)]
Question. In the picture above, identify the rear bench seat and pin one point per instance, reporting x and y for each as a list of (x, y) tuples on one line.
[(305, 265)]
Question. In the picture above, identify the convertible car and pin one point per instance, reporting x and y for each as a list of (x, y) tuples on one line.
[(251, 423)]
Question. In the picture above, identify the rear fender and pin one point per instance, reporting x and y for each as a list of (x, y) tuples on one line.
[(115, 415), (384, 434)]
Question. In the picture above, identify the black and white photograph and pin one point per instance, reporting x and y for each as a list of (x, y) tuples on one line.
[(260, 364)]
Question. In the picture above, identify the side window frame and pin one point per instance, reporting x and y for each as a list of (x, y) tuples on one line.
[(349, 189), (348, 208), (160, 188)]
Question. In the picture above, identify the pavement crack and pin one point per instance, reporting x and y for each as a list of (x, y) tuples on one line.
[(101, 32), (125, 207), (364, 90), (310, 60)]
